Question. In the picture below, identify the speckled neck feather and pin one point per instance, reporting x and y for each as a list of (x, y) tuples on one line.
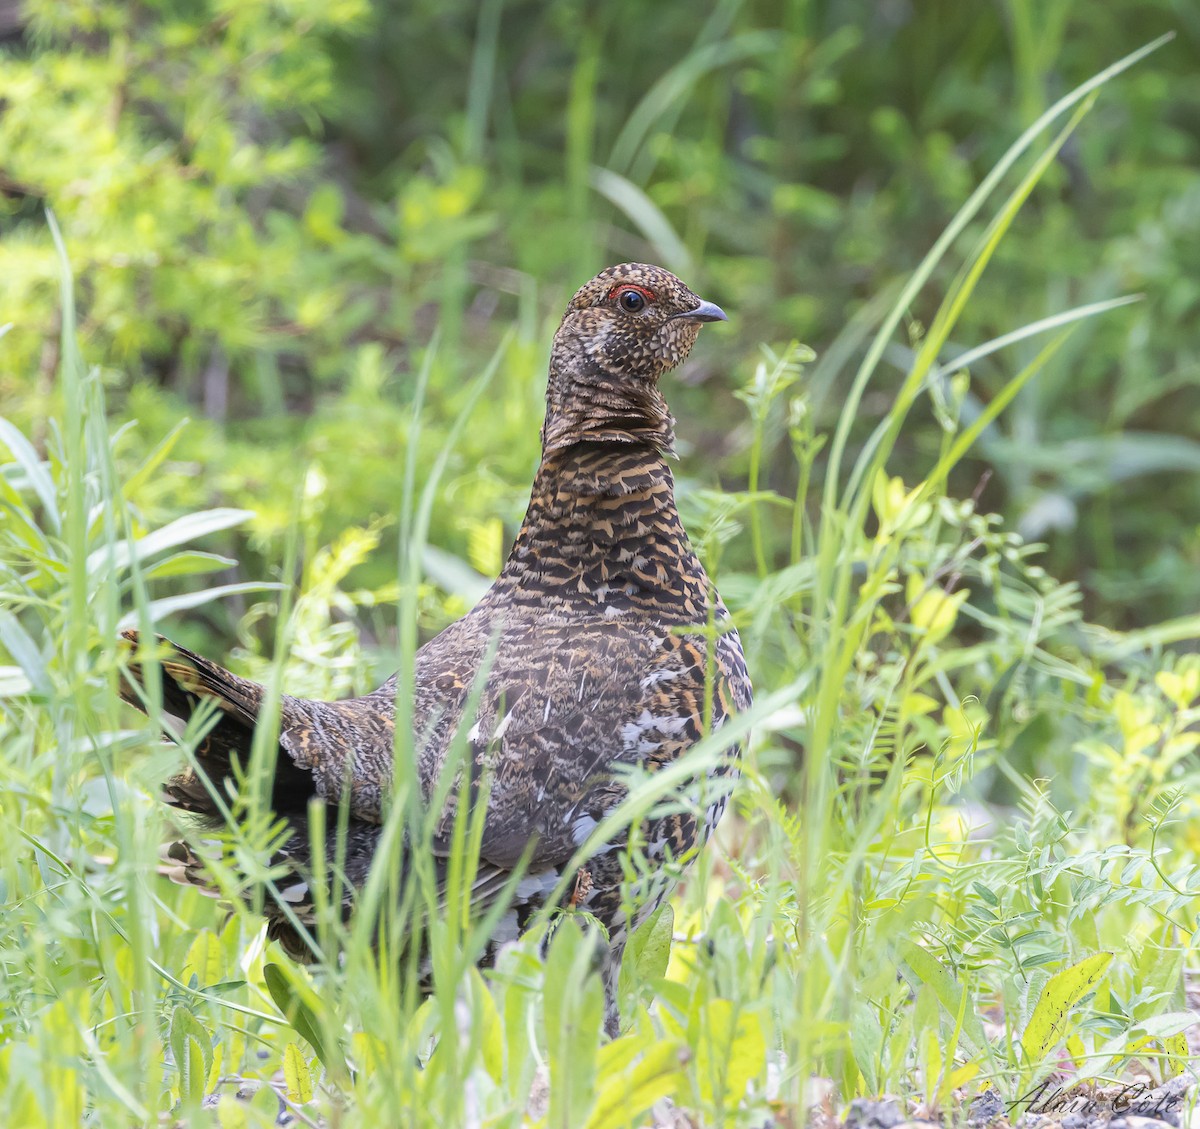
[(602, 530), (589, 406)]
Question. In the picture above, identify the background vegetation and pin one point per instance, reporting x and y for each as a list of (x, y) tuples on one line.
[(971, 799)]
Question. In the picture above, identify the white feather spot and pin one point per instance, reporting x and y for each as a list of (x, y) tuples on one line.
[(534, 885), (504, 724), (507, 929), (582, 828)]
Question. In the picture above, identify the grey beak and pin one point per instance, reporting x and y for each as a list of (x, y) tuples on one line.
[(706, 311)]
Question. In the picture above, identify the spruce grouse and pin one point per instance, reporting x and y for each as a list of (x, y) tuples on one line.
[(591, 664)]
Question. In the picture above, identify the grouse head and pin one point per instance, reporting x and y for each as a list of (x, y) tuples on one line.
[(620, 333)]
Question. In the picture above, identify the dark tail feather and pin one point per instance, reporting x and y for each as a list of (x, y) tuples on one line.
[(188, 680), (190, 677)]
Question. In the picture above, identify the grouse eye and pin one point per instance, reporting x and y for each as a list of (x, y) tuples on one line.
[(632, 299)]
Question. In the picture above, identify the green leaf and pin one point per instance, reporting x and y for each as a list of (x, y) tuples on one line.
[(986, 894), (924, 968), (301, 1006), (153, 461), (647, 954), (732, 1050), (1056, 321), (674, 88), (489, 1029), (866, 1043), (573, 1007), (191, 1047), (188, 564), (35, 470), (17, 641), (453, 574), (627, 1094), (1167, 1029), (1167, 1025), (13, 682), (160, 609), (646, 216), (232, 1112), (203, 959), (296, 1075), (190, 527), (1062, 992)]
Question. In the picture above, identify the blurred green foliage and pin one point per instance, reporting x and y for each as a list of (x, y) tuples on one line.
[(272, 207), (963, 801)]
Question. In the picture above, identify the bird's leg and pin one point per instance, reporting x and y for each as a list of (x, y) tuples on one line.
[(610, 976)]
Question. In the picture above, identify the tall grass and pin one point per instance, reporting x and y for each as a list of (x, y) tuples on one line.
[(846, 935)]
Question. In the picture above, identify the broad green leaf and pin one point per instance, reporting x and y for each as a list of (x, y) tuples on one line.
[(190, 527), (214, 1069), (14, 683), (927, 969), (203, 960), (301, 1004), (573, 1007), (489, 1030), (35, 470), (1062, 992), (731, 1051), (626, 1096), (959, 1077), (934, 612), (1159, 966), (522, 975), (647, 954), (191, 1047), (232, 1112), (646, 216), (866, 1042), (296, 1075), (453, 574), (266, 1102), (1179, 1053), (160, 609), (17, 641), (931, 1062), (187, 564), (1166, 1025)]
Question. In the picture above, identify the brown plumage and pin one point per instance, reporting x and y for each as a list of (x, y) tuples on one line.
[(592, 669)]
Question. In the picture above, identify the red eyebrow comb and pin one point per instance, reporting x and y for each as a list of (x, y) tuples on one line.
[(649, 295)]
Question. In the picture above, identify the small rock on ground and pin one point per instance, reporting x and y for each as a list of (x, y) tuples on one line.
[(867, 1114), (1136, 1122), (985, 1107), (1163, 1103)]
